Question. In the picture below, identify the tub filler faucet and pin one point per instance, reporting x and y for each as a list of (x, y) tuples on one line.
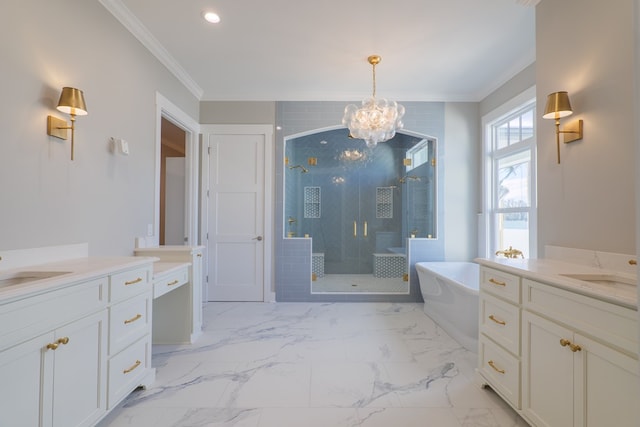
[(510, 253)]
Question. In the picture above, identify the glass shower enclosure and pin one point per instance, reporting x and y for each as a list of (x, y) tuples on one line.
[(359, 206)]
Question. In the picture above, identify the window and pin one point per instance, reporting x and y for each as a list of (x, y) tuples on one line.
[(509, 177), (419, 154)]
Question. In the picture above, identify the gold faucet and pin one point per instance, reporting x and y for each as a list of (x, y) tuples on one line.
[(510, 253)]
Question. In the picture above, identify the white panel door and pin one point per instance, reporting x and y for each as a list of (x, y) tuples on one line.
[(236, 213)]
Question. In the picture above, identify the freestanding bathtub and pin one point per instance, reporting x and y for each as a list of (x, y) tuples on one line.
[(450, 293)]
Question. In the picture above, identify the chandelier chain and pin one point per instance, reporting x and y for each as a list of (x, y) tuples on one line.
[(374, 79)]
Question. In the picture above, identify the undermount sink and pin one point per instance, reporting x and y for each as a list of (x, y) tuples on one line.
[(28, 276), (603, 279)]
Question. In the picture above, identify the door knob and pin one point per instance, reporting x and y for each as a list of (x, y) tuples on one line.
[(259, 238)]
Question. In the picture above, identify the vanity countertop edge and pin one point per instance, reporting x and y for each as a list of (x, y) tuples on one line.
[(550, 271), (79, 270)]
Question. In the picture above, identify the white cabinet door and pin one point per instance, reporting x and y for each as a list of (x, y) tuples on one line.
[(24, 370), (79, 398), (606, 387), (547, 394)]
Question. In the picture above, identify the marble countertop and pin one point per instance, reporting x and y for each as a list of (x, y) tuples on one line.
[(552, 272), (75, 270)]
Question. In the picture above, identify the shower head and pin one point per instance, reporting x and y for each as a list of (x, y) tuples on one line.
[(302, 168)]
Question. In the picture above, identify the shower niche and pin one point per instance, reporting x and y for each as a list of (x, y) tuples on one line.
[(359, 206)]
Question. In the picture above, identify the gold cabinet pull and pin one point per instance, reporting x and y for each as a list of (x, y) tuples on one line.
[(633, 262), (497, 282), (365, 229), (495, 368), (133, 319), (52, 346), (132, 367), (574, 347), (133, 282), (355, 229), (63, 340), (175, 282), (498, 321)]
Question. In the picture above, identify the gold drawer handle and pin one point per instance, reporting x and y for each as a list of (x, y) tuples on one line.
[(497, 282), (499, 322), (631, 262), (133, 319), (133, 282), (574, 347), (199, 255), (55, 345), (175, 282), (493, 365), (134, 366)]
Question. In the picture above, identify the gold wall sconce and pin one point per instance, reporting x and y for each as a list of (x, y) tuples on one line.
[(71, 102), (558, 106)]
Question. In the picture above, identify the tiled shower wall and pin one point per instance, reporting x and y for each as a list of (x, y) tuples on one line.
[(293, 256)]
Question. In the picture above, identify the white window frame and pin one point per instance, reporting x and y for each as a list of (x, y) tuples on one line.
[(486, 234)]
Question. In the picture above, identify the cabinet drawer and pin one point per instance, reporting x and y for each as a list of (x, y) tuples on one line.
[(500, 321), (128, 321), (127, 370), (500, 369), (609, 323), (169, 282), (129, 283), (31, 316), (499, 283)]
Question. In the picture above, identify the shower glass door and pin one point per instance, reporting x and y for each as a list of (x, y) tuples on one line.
[(353, 254)]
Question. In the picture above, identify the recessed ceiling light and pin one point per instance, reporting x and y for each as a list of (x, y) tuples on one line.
[(211, 17)]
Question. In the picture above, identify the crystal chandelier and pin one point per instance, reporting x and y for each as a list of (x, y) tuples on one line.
[(377, 119)]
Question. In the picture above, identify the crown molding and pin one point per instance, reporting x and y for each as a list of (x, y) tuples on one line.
[(135, 27)]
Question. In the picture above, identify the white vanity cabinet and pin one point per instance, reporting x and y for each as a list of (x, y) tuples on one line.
[(52, 358), (72, 347), (130, 324), (559, 357), (499, 341), (181, 254), (580, 359)]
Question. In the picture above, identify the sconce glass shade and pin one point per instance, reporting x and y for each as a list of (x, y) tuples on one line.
[(72, 102), (558, 106)]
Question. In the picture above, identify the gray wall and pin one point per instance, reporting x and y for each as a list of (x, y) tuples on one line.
[(588, 201), (98, 198), (460, 174), (237, 112)]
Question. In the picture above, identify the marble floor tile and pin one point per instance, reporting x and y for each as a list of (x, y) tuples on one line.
[(315, 364)]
